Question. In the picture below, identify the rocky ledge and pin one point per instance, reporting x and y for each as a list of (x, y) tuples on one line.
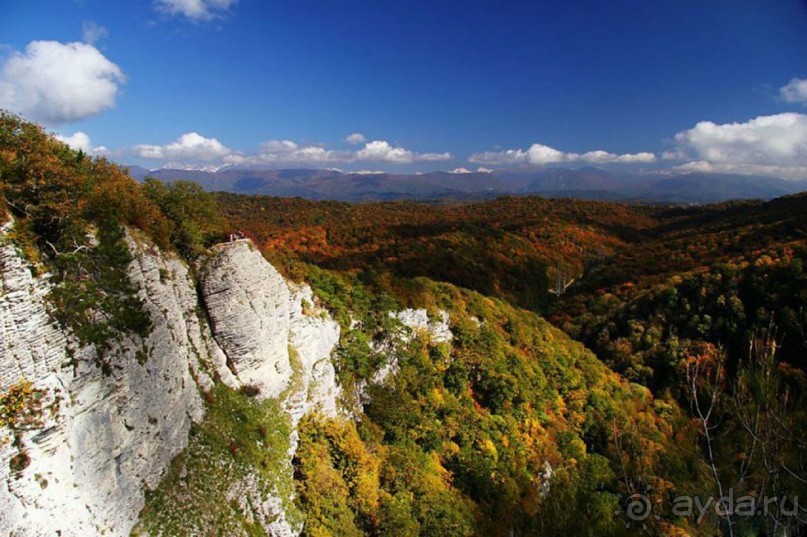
[(106, 436)]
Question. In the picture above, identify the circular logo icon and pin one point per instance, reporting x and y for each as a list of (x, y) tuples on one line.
[(637, 508)]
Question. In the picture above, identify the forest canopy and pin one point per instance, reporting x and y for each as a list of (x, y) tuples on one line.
[(671, 362)]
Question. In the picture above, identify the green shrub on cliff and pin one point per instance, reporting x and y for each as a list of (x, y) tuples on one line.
[(70, 213)]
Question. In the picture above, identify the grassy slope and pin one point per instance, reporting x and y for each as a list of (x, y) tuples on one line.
[(202, 493)]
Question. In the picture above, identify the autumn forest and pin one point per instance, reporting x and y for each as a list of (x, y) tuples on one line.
[(605, 357)]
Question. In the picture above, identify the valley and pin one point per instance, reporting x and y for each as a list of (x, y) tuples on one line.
[(520, 365)]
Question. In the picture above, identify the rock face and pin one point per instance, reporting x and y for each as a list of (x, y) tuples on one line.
[(248, 304), (314, 336), (272, 334), (275, 338), (418, 321), (114, 431), (414, 322), (110, 434), (32, 343)]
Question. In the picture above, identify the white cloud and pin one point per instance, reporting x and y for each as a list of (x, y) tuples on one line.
[(149, 151), (543, 154), (433, 157), (195, 10), (190, 146), (287, 152), (792, 172), (356, 138), (92, 32), (771, 145), (540, 155), (643, 158), (80, 141), (462, 170), (509, 156), (290, 152), (382, 151), (56, 83), (795, 91)]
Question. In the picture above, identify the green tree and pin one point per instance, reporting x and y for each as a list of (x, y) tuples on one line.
[(192, 213)]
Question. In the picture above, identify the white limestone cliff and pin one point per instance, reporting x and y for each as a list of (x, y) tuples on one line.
[(413, 323), (276, 339), (418, 321), (247, 301), (112, 434), (264, 323)]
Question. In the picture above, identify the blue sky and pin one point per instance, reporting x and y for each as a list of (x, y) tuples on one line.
[(689, 84)]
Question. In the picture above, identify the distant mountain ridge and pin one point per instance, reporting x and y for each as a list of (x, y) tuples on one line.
[(583, 183)]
